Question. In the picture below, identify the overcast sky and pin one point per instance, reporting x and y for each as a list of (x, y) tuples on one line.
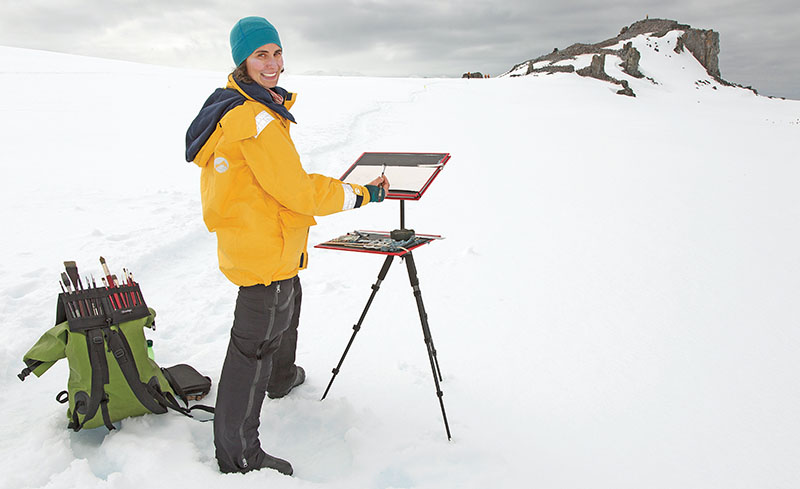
[(759, 38)]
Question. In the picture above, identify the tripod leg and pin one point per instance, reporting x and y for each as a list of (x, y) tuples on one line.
[(357, 327), (426, 332), (423, 316)]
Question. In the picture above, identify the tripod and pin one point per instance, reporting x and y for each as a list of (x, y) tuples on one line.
[(423, 317)]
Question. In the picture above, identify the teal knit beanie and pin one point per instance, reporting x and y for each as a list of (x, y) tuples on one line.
[(250, 34)]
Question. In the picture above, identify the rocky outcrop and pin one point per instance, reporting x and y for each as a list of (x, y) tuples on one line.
[(656, 27), (630, 60), (703, 44), (626, 90), (551, 69), (597, 69)]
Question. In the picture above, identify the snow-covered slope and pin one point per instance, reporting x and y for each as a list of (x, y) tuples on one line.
[(614, 305)]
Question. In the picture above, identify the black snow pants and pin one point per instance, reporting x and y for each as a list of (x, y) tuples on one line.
[(260, 357)]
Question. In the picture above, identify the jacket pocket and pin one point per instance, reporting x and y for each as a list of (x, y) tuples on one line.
[(294, 229)]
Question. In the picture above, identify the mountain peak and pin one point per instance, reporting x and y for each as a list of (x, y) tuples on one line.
[(628, 48)]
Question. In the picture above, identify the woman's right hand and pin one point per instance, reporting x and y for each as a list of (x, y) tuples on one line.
[(382, 182), (378, 189)]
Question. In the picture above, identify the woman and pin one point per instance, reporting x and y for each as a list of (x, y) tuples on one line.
[(260, 202)]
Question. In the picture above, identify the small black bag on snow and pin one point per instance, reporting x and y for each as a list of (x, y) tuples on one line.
[(188, 383)]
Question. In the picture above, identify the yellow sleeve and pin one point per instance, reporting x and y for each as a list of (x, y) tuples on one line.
[(272, 158)]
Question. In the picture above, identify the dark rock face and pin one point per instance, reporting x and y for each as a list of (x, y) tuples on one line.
[(657, 27), (551, 69), (703, 44), (475, 74), (597, 69), (630, 60), (625, 90)]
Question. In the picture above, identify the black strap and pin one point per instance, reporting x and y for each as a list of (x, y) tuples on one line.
[(202, 407), (104, 410), (166, 399), (97, 362), (77, 425), (31, 365), (169, 400), (122, 353), (74, 424)]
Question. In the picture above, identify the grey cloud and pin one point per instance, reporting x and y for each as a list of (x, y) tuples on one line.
[(403, 37)]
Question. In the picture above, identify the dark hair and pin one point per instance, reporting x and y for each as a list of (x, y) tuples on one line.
[(240, 73)]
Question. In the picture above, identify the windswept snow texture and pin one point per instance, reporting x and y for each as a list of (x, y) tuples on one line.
[(615, 304)]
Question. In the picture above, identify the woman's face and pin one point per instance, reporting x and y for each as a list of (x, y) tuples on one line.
[(265, 65)]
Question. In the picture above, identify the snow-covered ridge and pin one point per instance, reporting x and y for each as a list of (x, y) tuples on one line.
[(647, 51)]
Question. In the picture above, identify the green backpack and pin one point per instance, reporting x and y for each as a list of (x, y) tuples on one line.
[(111, 376)]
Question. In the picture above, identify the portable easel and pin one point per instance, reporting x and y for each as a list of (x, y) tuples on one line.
[(413, 173)]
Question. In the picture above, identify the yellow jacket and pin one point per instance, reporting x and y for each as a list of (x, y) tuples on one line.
[(256, 196)]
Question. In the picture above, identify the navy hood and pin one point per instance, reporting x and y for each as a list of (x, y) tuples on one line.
[(222, 101)]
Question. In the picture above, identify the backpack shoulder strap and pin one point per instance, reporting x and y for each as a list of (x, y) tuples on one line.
[(122, 353), (97, 397)]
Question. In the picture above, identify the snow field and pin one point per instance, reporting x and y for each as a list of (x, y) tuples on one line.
[(614, 304)]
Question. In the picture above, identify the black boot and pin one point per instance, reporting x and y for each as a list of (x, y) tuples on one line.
[(275, 463), (269, 462), (299, 378)]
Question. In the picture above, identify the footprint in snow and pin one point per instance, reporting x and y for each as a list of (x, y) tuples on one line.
[(119, 237), (393, 477), (21, 290), (471, 251), (36, 273)]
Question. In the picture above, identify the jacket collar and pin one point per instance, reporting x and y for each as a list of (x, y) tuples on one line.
[(225, 99), (257, 93)]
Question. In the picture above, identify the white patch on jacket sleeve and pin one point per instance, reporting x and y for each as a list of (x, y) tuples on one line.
[(349, 197), (262, 119)]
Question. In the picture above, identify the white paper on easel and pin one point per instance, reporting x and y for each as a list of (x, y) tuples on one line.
[(401, 178)]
